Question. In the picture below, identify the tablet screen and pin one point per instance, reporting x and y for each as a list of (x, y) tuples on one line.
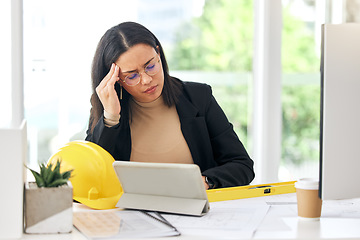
[(163, 179)]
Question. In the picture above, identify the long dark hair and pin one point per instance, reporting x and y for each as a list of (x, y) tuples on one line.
[(115, 42)]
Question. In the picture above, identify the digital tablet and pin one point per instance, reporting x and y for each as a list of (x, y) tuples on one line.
[(164, 187)]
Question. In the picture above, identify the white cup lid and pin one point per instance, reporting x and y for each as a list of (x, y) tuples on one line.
[(307, 183)]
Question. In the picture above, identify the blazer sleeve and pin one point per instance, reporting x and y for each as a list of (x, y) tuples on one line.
[(234, 165), (113, 139)]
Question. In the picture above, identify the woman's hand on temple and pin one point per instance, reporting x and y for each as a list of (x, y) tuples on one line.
[(106, 91)]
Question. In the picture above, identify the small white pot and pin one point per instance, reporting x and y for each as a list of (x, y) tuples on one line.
[(48, 210)]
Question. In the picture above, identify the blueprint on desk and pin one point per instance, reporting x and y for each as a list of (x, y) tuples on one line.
[(234, 221)]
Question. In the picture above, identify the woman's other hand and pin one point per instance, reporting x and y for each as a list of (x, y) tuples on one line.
[(106, 91), (205, 183)]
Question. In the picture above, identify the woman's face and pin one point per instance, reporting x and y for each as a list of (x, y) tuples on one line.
[(138, 59)]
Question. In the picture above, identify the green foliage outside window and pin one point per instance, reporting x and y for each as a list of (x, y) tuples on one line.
[(219, 40), (300, 121), (222, 40)]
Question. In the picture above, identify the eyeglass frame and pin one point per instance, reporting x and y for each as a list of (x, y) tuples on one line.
[(140, 74)]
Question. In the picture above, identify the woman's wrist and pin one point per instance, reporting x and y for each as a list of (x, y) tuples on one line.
[(111, 119)]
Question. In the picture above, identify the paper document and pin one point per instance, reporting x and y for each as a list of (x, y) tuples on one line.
[(221, 221), (122, 224)]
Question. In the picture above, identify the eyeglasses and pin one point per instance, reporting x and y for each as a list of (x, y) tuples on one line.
[(150, 69)]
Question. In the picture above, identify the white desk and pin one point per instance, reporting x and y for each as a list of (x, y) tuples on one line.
[(339, 220)]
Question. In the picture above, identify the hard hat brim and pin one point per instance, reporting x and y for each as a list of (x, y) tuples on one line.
[(100, 203)]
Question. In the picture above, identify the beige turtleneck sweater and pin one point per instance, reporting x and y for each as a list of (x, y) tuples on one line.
[(155, 133)]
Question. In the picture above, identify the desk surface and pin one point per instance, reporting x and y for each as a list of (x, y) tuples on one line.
[(340, 219)]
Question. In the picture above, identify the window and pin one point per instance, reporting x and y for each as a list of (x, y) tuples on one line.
[(207, 41), (301, 88), (301, 80)]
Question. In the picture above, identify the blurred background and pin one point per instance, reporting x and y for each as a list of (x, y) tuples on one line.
[(207, 41)]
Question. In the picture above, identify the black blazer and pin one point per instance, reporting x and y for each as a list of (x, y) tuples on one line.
[(213, 144)]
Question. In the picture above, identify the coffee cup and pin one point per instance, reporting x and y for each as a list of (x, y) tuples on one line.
[(308, 201)]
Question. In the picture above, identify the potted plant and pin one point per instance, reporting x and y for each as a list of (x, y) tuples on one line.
[(48, 200)]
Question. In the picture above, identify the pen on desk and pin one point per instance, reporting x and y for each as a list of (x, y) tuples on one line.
[(165, 221), (160, 218)]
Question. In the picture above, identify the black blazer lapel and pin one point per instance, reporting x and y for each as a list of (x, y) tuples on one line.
[(195, 132)]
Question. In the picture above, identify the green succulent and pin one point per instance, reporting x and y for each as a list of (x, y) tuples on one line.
[(50, 175)]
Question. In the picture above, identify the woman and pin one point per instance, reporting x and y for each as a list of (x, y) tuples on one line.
[(140, 113)]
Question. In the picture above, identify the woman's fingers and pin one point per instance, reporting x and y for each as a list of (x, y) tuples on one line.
[(106, 90), (115, 75), (108, 76)]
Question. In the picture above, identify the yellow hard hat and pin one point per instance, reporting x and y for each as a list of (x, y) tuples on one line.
[(94, 180)]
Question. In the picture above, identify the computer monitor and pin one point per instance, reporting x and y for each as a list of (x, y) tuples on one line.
[(340, 112)]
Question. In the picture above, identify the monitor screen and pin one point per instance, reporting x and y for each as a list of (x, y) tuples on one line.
[(340, 112)]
